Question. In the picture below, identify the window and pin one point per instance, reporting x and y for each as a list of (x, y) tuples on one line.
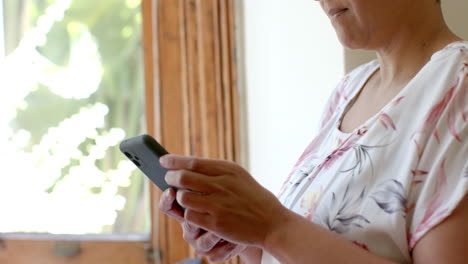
[(72, 90), (75, 88)]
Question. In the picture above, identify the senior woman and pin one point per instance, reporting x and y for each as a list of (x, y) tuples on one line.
[(385, 179)]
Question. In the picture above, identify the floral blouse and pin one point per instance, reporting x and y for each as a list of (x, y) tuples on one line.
[(398, 175)]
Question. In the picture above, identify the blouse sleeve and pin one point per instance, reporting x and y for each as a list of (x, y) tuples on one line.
[(440, 181)]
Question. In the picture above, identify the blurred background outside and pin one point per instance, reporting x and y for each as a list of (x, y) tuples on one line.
[(72, 87)]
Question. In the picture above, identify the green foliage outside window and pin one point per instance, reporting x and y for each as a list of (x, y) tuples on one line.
[(72, 89)]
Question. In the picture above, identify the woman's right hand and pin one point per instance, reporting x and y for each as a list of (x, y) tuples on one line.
[(203, 242)]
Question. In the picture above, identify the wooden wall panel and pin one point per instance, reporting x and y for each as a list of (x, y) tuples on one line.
[(195, 90)]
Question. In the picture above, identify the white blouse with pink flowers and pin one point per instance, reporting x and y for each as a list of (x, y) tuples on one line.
[(398, 175)]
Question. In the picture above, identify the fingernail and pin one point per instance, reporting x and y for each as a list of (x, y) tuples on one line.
[(166, 178), (163, 161)]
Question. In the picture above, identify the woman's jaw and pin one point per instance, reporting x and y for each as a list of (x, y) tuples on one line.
[(370, 24)]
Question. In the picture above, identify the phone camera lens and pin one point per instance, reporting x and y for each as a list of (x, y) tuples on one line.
[(136, 163), (128, 155)]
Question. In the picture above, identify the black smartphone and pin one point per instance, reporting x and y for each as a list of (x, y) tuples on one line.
[(144, 151)]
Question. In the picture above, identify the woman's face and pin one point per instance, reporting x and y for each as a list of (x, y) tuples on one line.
[(369, 24)]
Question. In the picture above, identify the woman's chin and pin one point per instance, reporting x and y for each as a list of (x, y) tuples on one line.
[(353, 46), (351, 42)]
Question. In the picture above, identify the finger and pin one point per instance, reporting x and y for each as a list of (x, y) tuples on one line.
[(185, 179), (167, 205), (206, 242), (222, 251), (199, 219), (191, 232), (209, 167), (166, 200), (194, 201)]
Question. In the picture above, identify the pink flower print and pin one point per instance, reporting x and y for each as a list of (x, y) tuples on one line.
[(418, 174), (361, 245), (461, 96), (457, 94), (410, 208), (361, 131), (335, 100), (386, 121), (309, 152), (340, 151), (397, 101), (418, 178), (435, 114), (452, 125), (464, 90), (433, 209), (436, 200), (418, 148), (342, 89)]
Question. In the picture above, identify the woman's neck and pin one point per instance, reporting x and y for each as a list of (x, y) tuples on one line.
[(402, 57)]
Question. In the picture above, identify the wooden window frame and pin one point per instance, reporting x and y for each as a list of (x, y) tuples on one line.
[(191, 108), (26, 248), (194, 92), (71, 249)]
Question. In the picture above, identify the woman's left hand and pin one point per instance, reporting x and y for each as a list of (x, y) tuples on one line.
[(222, 197)]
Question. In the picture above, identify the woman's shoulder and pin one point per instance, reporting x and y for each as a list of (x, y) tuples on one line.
[(453, 53), (447, 70), (457, 45)]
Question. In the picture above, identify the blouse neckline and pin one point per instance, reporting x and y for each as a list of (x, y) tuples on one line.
[(374, 68)]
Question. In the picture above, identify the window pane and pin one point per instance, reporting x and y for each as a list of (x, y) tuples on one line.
[(72, 89)]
